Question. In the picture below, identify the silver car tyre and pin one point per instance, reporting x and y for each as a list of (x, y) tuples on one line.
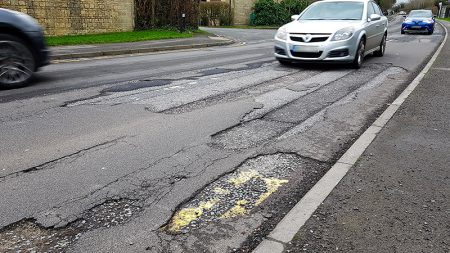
[(380, 52), (359, 57)]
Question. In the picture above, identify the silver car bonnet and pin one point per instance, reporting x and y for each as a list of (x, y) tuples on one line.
[(320, 26)]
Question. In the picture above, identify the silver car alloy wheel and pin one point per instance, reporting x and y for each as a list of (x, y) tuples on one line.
[(359, 55), (16, 63), (361, 50), (380, 52), (383, 45)]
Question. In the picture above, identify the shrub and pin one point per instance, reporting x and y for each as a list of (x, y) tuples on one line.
[(270, 12), (267, 12), (215, 13)]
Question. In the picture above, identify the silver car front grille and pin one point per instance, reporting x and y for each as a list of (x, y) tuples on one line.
[(309, 37)]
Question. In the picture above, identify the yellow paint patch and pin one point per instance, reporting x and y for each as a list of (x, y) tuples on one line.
[(272, 185), (238, 209), (221, 191), (244, 177), (185, 216)]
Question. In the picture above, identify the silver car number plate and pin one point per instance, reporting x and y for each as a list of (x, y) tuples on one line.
[(307, 49), (416, 27)]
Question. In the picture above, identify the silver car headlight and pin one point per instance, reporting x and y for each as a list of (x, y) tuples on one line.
[(281, 33), (343, 34)]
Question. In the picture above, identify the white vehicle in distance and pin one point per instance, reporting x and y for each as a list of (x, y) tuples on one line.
[(339, 31)]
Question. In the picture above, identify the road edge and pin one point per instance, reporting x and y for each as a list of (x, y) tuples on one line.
[(288, 227), (137, 51)]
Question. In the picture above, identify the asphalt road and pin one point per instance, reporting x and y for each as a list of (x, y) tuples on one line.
[(188, 151)]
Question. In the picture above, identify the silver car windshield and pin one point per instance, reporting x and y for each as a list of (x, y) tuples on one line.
[(334, 11), (420, 14)]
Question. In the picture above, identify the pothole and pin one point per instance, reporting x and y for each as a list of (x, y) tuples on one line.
[(27, 236), (235, 194)]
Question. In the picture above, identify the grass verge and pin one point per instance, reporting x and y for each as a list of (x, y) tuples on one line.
[(118, 37), (248, 27), (446, 19)]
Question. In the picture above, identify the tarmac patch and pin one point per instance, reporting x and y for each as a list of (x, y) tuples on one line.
[(138, 85), (249, 134)]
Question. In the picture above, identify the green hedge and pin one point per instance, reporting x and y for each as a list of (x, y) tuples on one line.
[(270, 12)]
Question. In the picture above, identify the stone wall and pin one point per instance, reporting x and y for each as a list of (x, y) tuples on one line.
[(242, 10), (63, 17)]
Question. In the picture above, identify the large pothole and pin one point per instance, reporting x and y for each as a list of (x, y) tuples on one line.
[(237, 193), (237, 210), (27, 236)]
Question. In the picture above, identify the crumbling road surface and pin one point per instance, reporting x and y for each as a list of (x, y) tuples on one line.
[(190, 151)]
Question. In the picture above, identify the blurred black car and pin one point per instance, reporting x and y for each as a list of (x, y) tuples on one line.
[(22, 48)]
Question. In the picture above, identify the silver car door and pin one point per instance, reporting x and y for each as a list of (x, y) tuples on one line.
[(371, 29), (380, 24)]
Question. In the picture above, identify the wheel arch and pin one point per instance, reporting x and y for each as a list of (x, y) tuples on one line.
[(362, 36), (13, 31)]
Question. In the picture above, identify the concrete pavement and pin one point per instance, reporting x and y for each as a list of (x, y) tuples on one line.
[(97, 50), (394, 197)]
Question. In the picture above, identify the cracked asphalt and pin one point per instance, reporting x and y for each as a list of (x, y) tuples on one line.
[(189, 151)]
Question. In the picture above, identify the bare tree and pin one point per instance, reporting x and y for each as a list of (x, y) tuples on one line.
[(166, 13), (420, 4)]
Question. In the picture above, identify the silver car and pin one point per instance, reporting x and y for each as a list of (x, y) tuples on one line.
[(333, 31)]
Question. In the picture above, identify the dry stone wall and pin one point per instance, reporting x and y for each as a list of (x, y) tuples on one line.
[(242, 10), (63, 17)]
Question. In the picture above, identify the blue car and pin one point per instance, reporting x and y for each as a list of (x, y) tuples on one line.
[(419, 21)]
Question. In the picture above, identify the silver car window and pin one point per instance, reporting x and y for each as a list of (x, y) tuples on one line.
[(377, 9), (334, 11), (370, 9)]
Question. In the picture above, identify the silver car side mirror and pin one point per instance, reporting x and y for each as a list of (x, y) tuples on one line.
[(294, 17), (374, 17)]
